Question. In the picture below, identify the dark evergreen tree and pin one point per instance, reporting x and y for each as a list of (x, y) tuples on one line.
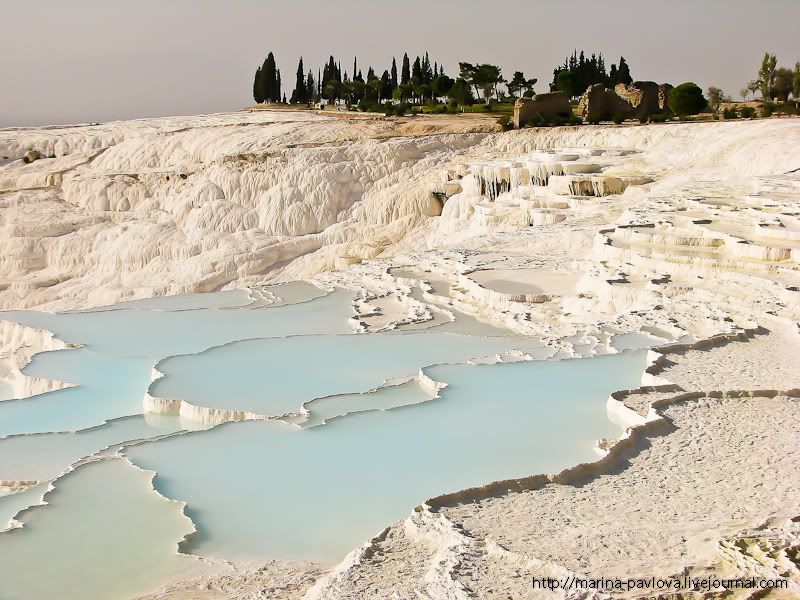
[(311, 88), (300, 93), (405, 75), (278, 87), (624, 72), (269, 80), (386, 84), (578, 73), (394, 74), (257, 87), (416, 71)]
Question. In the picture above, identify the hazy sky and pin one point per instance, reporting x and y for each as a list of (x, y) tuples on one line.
[(65, 61)]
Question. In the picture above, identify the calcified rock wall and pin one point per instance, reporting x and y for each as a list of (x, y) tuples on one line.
[(146, 208), (143, 208), (18, 344)]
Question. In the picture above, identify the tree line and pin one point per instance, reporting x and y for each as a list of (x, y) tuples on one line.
[(772, 83), (417, 82), (579, 72)]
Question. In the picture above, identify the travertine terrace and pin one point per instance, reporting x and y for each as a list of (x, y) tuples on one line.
[(687, 233)]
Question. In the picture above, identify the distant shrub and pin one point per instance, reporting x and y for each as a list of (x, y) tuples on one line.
[(618, 118), (747, 112), (786, 109), (730, 113), (642, 117), (505, 122), (536, 120), (660, 117), (686, 99), (575, 120), (768, 109)]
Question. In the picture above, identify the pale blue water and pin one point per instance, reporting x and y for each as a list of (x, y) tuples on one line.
[(44, 456), (270, 489), (158, 333), (383, 398), (276, 376), (282, 492), (121, 347)]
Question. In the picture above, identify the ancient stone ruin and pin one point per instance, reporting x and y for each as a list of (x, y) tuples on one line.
[(542, 106), (641, 97)]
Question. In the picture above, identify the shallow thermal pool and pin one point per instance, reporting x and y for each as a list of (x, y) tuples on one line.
[(363, 436)]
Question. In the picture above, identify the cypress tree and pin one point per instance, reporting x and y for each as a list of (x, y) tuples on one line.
[(300, 95), (257, 87), (311, 87), (278, 87), (268, 82), (386, 85), (394, 74), (405, 75), (416, 71), (624, 72), (612, 75)]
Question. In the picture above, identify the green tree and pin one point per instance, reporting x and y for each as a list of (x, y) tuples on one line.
[(386, 84), (754, 86), (516, 84), (257, 87), (270, 88), (686, 99), (331, 91), (484, 78), (624, 72), (716, 97), (766, 75), (565, 82), (796, 82), (394, 73), (467, 72), (311, 88), (403, 92), (442, 85), (405, 74), (416, 71), (461, 92), (300, 93), (782, 84)]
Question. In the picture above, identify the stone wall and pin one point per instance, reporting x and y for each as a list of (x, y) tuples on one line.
[(555, 104), (599, 102)]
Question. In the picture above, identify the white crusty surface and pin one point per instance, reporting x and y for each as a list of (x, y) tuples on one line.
[(686, 232)]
